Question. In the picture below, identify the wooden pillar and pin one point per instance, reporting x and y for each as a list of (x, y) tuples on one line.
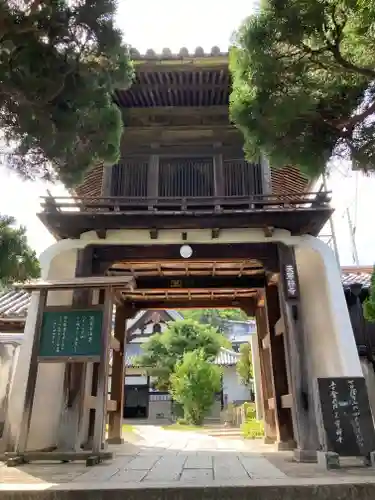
[(267, 387), (281, 396), (302, 398), (153, 177), (107, 181), (218, 173), (75, 373), (118, 378)]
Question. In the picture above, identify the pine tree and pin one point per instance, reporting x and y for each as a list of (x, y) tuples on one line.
[(60, 61)]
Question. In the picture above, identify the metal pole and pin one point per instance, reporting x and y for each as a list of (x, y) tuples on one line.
[(352, 239), (23, 435), (102, 392), (332, 227)]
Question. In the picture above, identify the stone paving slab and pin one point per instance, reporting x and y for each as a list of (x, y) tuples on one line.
[(178, 459)]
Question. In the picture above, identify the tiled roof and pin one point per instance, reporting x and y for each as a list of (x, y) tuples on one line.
[(11, 338), (168, 54), (14, 304), (226, 357), (363, 279)]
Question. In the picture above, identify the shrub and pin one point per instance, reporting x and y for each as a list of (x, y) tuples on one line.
[(252, 429)]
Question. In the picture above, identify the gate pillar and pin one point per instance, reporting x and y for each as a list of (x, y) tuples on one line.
[(299, 378), (118, 375)]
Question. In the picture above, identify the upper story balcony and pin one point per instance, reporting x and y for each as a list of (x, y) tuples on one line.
[(182, 164), (303, 213)]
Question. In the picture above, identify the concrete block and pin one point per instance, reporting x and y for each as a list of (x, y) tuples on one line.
[(328, 460), (285, 445), (305, 456)]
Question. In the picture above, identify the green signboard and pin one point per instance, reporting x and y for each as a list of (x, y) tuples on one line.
[(71, 334)]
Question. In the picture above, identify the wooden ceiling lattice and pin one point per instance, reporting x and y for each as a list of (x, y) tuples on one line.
[(184, 268)]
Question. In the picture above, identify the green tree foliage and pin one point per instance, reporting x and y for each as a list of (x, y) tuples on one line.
[(369, 304), (194, 384), (60, 61), (162, 351), (215, 317), (303, 82), (18, 261), (244, 366)]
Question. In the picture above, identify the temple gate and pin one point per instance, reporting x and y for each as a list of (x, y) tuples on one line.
[(195, 225)]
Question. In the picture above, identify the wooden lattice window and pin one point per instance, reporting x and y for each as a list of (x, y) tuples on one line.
[(186, 177)]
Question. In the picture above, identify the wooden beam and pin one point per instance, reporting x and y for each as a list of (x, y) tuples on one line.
[(114, 344), (226, 303), (154, 233), (266, 342), (264, 252), (200, 282), (76, 283), (287, 401), (271, 403), (92, 401)]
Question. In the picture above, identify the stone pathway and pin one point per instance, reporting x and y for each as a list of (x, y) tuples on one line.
[(159, 457)]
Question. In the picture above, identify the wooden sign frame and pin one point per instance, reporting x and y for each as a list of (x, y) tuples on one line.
[(97, 454)]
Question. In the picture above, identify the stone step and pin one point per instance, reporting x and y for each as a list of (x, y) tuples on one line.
[(289, 489)]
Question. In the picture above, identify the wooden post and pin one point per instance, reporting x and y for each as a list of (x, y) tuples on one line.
[(153, 177), (69, 437), (267, 387), (218, 173), (118, 378), (275, 344), (303, 409), (21, 442), (107, 180), (102, 391)]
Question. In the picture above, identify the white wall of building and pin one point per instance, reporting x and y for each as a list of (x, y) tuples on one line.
[(232, 386)]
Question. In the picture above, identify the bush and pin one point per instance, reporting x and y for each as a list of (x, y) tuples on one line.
[(194, 384), (250, 411), (252, 429)]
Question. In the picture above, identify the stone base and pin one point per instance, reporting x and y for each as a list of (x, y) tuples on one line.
[(285, 445), (369, 461), (328, 460), (305, 456), (269, 440), (115, 440)]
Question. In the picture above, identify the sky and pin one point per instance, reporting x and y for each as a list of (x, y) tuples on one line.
[(206, 23)]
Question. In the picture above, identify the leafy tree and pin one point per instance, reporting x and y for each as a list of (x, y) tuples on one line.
[(215, 317), (194, 384), (18, 261), (244, 366), (163, 350), (369, 304), (60, 62), (303, 74)]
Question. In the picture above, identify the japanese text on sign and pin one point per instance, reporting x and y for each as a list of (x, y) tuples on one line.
[(335, 409), (290, 279), (355, 412)]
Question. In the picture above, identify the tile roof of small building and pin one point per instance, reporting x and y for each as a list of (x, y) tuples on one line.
[(226, 357)]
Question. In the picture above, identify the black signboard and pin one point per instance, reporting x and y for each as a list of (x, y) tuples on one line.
[(288, 271), (347, 418)]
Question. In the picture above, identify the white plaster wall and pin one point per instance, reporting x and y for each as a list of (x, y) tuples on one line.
[(330, 340), (233, 387), (8, 360), (57, 262)]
